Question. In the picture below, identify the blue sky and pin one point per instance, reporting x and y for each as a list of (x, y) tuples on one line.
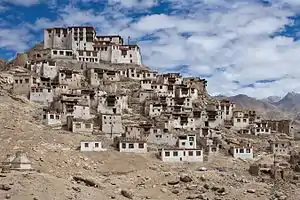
[(239, 46)]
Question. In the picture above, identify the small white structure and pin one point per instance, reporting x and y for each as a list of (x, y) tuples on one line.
[(242, 152), (77, 125), (187, 142), (181, 155), (240, 119), (52, 119), (132, 145), (18, 162), (280, 147), (162, 138), (42, 95), (91, 146)]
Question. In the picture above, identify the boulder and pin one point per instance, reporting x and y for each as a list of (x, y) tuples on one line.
[(127, 194), (173, 182), (185, 179), (251, 191), (4, 187)]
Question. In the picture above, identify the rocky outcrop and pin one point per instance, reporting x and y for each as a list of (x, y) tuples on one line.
[(6, 83)]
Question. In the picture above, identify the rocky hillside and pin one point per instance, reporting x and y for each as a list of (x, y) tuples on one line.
[(63, 172)]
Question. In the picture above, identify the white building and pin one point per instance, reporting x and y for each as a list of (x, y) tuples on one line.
[(81, 111), (179, 122), (132, 145), (81, 43), (227, 109), (111, 124), (240, 119), (18, 162), (181, 155), (280, 147), (146, 84), (62, 54), (91, 146), (71, 78), (242, 152), (112, 104), (154, 110), (126, 54), (146, 94), (162, 139), (42, 95), (44, 69), (52, 119), (80, 125), (70, 38), (187, 142), (261, 128)]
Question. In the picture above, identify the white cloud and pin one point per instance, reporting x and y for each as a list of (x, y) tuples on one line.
[(133, 3), (16, 39), (23, 2)]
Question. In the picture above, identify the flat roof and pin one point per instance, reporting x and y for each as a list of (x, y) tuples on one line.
[(180, 149)]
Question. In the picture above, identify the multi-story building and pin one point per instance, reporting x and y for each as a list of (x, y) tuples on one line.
[(82, 43)]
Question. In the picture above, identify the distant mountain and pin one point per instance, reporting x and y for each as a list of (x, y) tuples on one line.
[(272, 99), (290, 103), (266, 109), (244, 101)]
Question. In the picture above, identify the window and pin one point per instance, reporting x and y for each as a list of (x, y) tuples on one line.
[(44, 116), (241, 150), (51, 116), (77, 125), (175, 153), (131, 146), (236, 151), (130, 55), (238, 120), (191, 143), (191, 153), (213, 149), (55, 52), (244, 120), (21, 81), (26, 80), (191, 138), (198, 153), (167, 153), (61, 53), (97, 145), (123, 145), (16, 81), (87, 125), (183, 143), (57, 116), (141, 145), (247, 150), (86, 144)]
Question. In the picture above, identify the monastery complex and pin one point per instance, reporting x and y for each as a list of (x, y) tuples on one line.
[(97, 84)]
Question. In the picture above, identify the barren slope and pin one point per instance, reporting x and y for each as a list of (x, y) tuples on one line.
[(54, 156)]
